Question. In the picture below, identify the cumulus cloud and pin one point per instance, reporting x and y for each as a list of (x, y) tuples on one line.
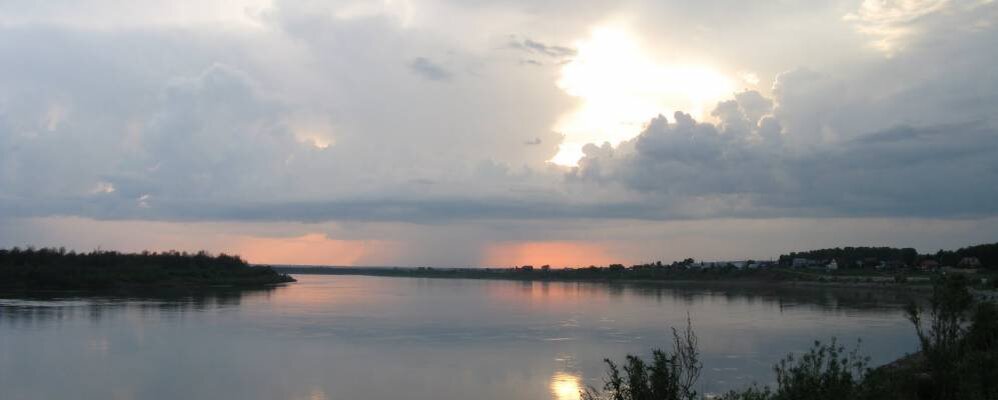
[(742, 167), (220, 116), (213, 131), (685, 158)]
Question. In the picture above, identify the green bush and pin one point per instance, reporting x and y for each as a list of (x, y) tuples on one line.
[(671, 376), (959, 343)]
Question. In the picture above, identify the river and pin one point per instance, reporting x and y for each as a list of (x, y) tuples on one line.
[(360, 338)]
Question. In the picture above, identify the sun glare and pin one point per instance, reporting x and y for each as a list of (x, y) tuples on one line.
[(565, 386), (621, 86)]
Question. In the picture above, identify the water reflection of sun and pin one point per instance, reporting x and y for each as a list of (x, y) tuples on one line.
[(565, 386)]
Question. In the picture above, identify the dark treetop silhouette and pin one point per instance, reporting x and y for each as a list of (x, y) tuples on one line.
[(58, 269)]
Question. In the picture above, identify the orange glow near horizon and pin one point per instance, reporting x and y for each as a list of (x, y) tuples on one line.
[(556, 254), (309, 249)]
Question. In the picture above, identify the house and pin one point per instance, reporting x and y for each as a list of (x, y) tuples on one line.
[(832, 266), (892, 264), (928, 265), (963, 271), (969, 262)]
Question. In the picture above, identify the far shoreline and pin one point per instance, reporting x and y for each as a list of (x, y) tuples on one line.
[(762, 278)]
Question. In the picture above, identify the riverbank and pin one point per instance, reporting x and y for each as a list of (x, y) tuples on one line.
[(956, 360), (713, 277)]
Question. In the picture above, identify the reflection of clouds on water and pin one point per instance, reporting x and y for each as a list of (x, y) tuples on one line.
[(99, 345), (44, 303), (565, 386)]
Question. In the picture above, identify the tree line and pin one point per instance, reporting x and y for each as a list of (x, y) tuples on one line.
[(51, 268), (985, 255)]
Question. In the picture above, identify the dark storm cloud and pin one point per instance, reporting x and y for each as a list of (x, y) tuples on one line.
[(927, 171), (422, 66), (430, 211), (535, 47)]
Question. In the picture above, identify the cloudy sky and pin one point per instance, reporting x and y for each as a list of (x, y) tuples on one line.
[(498, 132)]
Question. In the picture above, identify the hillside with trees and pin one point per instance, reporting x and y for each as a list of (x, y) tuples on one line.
[(855, 256), (986, 255), (979, 256)]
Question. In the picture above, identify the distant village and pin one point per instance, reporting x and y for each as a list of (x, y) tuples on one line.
[(847, 264), (966, 260), (965, 265)]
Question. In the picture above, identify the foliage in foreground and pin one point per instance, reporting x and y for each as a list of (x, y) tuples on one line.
[(59, 269), (959, 344), (825, 372), (958, 359), (670, 376)]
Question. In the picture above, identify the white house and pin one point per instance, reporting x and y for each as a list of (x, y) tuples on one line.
[(832, 266)]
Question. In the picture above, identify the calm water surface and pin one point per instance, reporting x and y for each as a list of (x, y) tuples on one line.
[(357, 338)]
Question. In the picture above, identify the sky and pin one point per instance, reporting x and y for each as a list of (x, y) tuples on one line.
[(498, 133)]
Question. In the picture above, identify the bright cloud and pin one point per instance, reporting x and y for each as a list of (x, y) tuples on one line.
[(620, 86)]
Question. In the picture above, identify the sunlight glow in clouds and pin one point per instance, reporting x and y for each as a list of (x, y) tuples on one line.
[(620, 87), (402, 10), (313, 131), (890, 22), (317, 140)]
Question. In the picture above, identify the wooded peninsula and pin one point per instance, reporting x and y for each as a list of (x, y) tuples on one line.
[(58, 269)]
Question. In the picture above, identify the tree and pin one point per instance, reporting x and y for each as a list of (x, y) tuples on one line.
[(959, 342)]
